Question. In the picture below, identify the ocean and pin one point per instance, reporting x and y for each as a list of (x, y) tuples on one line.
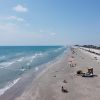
[(15, 61)]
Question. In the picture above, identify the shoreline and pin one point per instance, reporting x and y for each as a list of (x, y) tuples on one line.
[(51, 69), (47, 85), (27, 79)]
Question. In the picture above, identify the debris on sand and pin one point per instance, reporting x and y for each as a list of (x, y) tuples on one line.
[(64, 90), (79, 72), (54, 76), (64, 81)]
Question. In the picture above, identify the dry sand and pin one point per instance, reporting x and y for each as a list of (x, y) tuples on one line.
[(47, 85)]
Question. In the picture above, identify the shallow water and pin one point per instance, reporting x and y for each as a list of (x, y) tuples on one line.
[(16, 61)]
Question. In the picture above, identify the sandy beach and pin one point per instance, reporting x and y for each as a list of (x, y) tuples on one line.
[(49, 49), (48, 84)]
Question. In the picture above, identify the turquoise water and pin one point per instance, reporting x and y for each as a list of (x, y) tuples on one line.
[(17, 60)]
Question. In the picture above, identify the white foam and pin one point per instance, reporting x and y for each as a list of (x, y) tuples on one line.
[(58, 49), (34, 56), (39, 54), (36, 68), (22, 70), (21, 59), (3, 90), (6, 64)]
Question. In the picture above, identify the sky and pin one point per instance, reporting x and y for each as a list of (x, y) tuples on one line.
[(49, 22)]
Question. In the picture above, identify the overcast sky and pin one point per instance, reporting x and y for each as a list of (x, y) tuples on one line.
[(49, 22)]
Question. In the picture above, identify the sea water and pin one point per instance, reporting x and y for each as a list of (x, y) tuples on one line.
[(18, 60)]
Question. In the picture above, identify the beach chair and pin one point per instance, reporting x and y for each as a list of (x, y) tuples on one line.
[(90, 70), (86, 72), (89, 73)]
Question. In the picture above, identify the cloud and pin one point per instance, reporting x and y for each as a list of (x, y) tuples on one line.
[(8, 28), (53, 34), (15, 18), (48, 32), (20, 8), (21, 39)]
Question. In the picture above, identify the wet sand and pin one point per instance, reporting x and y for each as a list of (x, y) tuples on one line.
[(47, 85)]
